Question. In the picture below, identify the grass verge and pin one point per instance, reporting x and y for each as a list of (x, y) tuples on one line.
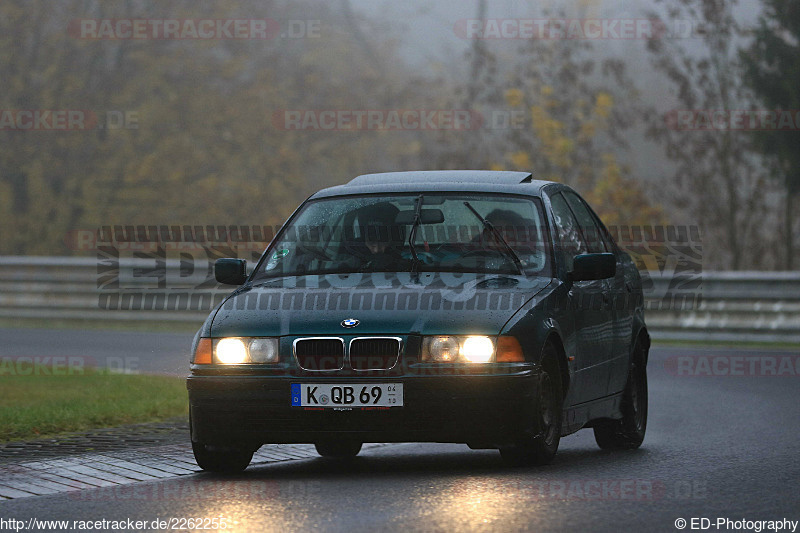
[(704, 343), (38, 406)]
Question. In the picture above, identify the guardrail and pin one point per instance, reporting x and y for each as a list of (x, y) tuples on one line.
[(734, 306)]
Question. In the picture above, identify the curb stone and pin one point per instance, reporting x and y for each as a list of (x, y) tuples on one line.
[(114, 457)]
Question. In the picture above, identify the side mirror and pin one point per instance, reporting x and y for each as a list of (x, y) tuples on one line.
[(587, 267), (230, 271)]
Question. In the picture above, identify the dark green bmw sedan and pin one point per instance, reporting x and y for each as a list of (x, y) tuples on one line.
[(474, 307)]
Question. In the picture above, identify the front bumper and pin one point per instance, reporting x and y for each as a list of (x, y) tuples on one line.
[(483, 410)]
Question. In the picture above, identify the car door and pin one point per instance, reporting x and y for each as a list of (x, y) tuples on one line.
[(589, 309), (616, 295)]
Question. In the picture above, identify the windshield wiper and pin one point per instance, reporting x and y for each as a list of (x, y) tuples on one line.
[(413, 235), (509, 250)]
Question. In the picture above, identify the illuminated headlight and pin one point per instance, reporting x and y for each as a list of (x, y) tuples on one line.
[(240, 351), (477, 349), (231, 352), (458, 349)]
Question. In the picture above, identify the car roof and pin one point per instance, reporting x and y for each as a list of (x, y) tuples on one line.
[(439, 181)]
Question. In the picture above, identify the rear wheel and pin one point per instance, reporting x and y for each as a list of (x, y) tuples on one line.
[(628, 432), (338, 449), (221, 459), (541, 450)]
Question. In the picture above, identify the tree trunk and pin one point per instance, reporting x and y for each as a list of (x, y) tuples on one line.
[(788, 230), (729, 175), (478, 61)]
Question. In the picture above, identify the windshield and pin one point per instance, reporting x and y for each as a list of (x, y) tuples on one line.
[(374, 234)]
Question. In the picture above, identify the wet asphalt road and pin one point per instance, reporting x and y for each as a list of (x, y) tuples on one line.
[(723, 446)]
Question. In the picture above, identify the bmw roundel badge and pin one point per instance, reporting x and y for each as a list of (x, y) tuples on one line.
[(350, 322)]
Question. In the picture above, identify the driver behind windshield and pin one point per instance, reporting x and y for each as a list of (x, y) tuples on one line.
[(383, 239), (346, 235)]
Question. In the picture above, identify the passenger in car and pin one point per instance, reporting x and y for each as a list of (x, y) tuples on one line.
[(511, 225)]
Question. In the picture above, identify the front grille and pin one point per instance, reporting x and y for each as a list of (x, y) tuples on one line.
[(374, 353), (319, 354)]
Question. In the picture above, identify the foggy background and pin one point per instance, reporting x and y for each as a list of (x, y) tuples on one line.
[(192, 131)]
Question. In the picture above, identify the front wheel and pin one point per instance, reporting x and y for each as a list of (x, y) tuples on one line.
[(628, 432), (541, 450), (218, 459), (338, 449)]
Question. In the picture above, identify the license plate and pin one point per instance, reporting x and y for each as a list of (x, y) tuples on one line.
[(347, 395)]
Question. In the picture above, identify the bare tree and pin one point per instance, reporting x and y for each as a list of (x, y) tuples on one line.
[(719, 176)]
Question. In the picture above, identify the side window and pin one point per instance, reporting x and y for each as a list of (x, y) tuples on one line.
[(569, 235), (591, 231)]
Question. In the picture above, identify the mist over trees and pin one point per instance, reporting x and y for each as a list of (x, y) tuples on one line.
[(194, 131), (719, 175), (202, 145), (772, 63)]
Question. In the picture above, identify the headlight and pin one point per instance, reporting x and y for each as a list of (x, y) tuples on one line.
[(231, 352), (477, 349), (245, 350), (441, 349), (263, 350), (458, 349)]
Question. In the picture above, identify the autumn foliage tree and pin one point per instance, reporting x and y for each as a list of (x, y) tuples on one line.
[(201, 146), (571, 109)]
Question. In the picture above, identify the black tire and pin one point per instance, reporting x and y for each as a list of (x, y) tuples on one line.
[(541, 450), (628, 432), (219, 459), (338, 449)]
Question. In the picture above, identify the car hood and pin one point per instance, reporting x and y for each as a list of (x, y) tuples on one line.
[(382, 303)]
